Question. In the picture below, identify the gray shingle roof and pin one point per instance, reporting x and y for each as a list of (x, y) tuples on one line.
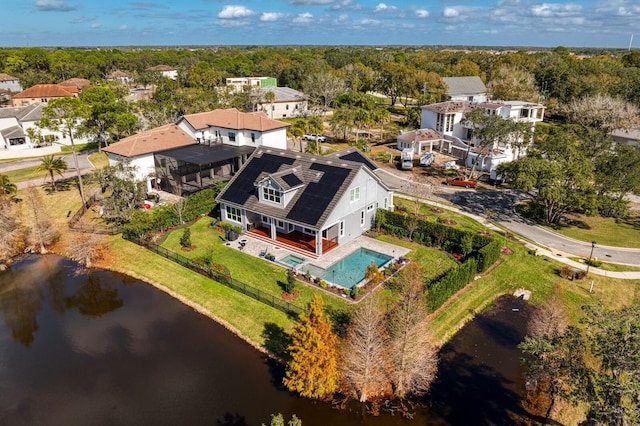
[(283, 94), (464, 85)]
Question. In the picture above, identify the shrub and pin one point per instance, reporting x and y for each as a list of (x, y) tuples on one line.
[(450, 283), (567, 272), (322, 284), (488, 255), (354, 292), (185, 240), (581, 275), (290, 284)]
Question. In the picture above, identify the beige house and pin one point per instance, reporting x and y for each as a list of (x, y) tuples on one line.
[(42, 93), (285, 102)]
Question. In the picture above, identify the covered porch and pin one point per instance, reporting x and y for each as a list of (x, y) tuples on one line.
[(295, 241)]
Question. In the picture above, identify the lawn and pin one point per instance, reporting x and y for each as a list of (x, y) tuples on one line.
[(99, 160), (425, 212), (606, 231), (28, 173), (243, 267)]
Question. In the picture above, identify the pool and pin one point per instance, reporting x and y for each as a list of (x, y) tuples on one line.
[(350, 270), (292, 261)]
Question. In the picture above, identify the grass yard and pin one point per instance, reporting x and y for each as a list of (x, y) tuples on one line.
[(462, 222), (257, 272), (99, 160), (606, 231), (28, 173), (250, 317)]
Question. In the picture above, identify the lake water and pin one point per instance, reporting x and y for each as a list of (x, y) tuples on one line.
[(104, 349)]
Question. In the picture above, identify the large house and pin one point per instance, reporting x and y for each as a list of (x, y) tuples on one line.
[(237, 84), (232, 127), (198, 149), (286, 102), (470, 89), (42, 93), (306, 203), (166, 71), (458, 139), (14, 131)]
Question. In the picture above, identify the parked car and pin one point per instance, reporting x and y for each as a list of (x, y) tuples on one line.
[(461, 181), (314, 137), (450, 165)]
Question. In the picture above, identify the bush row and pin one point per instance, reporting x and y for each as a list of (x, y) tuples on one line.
[(451, 282), (160, 218)]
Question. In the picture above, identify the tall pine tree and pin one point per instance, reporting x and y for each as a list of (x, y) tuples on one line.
[(313, 368)]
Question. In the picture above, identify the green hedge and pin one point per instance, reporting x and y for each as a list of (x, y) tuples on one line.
[(451, 282), (488, 255)]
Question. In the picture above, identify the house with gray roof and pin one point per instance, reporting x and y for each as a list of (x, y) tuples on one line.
[(286, 102), (309, 204), (470, 89), (10, 83)]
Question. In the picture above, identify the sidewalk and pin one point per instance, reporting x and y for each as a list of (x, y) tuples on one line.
[(542, 251)]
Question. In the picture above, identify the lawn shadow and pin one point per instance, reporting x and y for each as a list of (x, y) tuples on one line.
[(633, 222), (276, 340), (339, 320)]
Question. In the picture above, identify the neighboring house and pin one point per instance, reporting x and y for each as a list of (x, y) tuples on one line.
[(309, 204), (287, 102), (458, 140), (139, 150), (21, 119), (75, 85), (10, 83), (237, 84), (470, 89), (419, 140), (232, 127), (120, 77), (631, 137), (198, 149), (165, 71), (42, 93)]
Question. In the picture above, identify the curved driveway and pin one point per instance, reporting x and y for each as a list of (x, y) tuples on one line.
[(502, 203)]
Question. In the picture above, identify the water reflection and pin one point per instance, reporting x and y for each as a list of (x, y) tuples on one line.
[(100, 348)]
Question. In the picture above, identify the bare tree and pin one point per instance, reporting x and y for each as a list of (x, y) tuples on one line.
[(42, 232), (509, 82), (603, 112), (11, 233), (179, 207), (551, 317), (412, 352), (323, 88), (86, 249), (363, 364)]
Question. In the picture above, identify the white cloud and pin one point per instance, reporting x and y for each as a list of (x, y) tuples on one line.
[(53, 5), (450, 12), (233, 12), (123, 27), (382, 7), (555, 9), (422, 13), (346, 4), (303, 18), (96, 25), (311, 1), (271, 16)]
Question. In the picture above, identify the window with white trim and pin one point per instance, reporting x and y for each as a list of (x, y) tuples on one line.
[(362, 218), (354, 194), (234, 214), (232, 136), (270, 194), (385, 203), (370, 207), (341, 228)]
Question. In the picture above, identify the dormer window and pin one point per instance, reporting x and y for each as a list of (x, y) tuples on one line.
[(271, 194)]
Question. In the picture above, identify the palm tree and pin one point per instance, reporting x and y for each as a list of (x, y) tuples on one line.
[(270, 97), (52, 165), (6, 187)]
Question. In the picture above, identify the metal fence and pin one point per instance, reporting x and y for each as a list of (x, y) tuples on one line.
[(223, 277)]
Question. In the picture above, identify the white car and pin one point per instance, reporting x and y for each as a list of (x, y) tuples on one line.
[(314, 137), (450, 165)]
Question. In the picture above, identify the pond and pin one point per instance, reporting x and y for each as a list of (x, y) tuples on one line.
[(102, 348)]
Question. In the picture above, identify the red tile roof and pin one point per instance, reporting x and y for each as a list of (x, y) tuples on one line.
[(6, 77), (44, 91), (154, 140), (233, 119)]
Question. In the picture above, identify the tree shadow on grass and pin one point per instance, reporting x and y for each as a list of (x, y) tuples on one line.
[(633, 222), (276, 340)]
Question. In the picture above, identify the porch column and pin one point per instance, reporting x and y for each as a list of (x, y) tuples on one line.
[(319, 243), (272, 224)]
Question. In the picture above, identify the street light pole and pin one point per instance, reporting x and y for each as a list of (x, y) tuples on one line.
[(593, 245)]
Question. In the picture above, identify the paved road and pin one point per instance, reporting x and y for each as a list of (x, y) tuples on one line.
[(501, 203), (83, 163)]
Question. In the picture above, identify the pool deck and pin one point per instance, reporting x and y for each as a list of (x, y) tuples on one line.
[(257, 248)]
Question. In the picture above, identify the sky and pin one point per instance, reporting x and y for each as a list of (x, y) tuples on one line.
[(570, 23)]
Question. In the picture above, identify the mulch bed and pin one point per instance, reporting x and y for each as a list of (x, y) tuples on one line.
[(290, 297), (506, 250), (449, 222), (437, 210)]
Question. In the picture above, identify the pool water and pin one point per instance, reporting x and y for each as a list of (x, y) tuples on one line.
[(350, 270), (292, 261)]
